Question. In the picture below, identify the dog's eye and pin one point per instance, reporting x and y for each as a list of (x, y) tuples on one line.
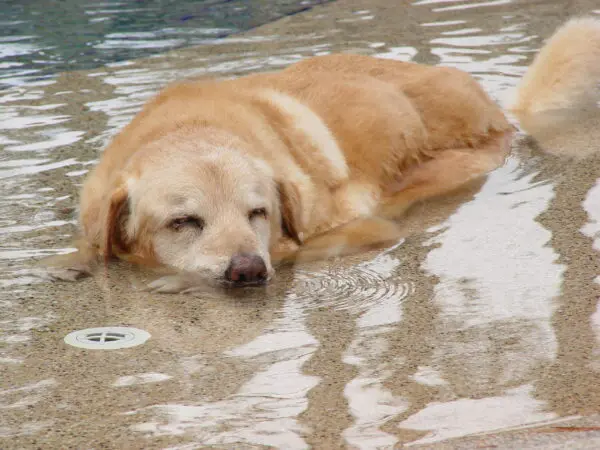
[(186, 221), (258, 212)]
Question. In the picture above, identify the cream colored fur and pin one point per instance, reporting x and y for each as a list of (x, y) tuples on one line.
[(565, 73), (331, 149)]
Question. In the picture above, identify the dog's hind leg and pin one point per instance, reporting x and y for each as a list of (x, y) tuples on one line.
[(448, 171), (364, 233)]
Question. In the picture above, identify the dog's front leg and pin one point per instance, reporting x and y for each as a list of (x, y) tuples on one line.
[(364, 233)]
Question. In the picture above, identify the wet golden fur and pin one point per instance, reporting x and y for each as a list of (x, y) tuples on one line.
[(331, 148)]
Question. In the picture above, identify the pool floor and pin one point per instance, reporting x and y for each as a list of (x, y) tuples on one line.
[(480, 329)]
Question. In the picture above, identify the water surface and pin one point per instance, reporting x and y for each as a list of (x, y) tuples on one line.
[(39, 39), (483, 319)]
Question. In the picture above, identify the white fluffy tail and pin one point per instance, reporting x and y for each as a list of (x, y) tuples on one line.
[(566, 72)]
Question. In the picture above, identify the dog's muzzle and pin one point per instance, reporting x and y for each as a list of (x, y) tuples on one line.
[(246, 269)]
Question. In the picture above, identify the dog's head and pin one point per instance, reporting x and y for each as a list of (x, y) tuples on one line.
[(209, 210)]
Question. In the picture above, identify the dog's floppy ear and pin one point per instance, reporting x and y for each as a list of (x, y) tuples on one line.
[(114, 223), (291, 211)]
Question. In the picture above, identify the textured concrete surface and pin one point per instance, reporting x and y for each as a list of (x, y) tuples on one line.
[(480, 329)]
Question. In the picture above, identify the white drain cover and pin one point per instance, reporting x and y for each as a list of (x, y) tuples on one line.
[(107, 338)]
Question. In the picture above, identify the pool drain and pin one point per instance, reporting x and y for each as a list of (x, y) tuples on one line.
[(107, 338)]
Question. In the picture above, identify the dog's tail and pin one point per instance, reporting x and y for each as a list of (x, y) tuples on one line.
[(565, 74)]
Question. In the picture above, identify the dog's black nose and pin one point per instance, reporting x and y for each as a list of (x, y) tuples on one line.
[(246, 269)]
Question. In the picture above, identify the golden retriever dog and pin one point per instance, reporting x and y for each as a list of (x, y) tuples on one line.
[(218, 179)]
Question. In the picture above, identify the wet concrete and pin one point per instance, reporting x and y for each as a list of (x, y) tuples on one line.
[(480, 329)]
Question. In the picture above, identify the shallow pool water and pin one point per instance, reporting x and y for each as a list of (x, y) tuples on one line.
[(39, 38), (483, 319)]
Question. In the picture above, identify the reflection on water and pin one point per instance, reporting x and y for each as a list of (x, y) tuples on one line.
[(264, 409), (485, 318), (370, 403), (592, 229), (497, 284), (493, 263), (470, 416), (591, 205), (39, 39), (262, 412)]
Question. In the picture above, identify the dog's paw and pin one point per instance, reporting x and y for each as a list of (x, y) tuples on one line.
[(68, 273), (170, 284), (175, 284), (67, 267), (74, 273)]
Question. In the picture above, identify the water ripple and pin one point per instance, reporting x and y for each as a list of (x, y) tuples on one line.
[(357, 288)]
